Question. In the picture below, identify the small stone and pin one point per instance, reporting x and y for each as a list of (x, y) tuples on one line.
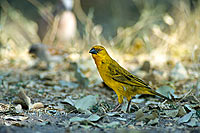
[(131, 127)]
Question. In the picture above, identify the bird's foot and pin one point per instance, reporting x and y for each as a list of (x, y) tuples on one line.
[(134, 107)]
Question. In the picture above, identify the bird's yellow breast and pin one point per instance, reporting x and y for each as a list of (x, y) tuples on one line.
[(107, 78), (103, 63)]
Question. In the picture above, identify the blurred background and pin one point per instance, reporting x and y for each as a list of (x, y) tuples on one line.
[(160, 31)]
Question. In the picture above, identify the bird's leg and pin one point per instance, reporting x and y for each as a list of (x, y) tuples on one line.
[(129, 103), (120, 101), (116, 108)]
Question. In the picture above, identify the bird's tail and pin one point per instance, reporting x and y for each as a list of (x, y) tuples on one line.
[(160, 95)]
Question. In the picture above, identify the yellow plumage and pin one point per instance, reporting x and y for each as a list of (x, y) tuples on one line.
[(116, 77)]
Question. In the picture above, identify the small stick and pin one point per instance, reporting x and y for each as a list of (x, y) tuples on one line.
[(185, 95), (22, 95)]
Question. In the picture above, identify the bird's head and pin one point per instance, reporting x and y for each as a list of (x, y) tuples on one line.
[(33, 49), (98, 52)]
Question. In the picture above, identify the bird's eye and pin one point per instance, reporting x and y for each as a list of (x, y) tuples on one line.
[(98, 50)]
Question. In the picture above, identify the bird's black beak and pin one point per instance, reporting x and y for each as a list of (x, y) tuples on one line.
[(93, 51)]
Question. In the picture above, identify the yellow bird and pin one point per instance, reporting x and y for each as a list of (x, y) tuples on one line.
[(119, 79)]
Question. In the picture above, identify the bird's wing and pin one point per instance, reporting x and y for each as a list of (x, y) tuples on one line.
[(123, 76)]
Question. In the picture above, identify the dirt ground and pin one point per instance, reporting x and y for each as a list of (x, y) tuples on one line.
[(54, 101)]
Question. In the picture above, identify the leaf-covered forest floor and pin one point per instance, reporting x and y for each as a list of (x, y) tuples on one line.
[(36, 100), (161, 47)]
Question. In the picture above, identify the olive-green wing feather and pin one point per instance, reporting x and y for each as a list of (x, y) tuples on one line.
[(123, 76)]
